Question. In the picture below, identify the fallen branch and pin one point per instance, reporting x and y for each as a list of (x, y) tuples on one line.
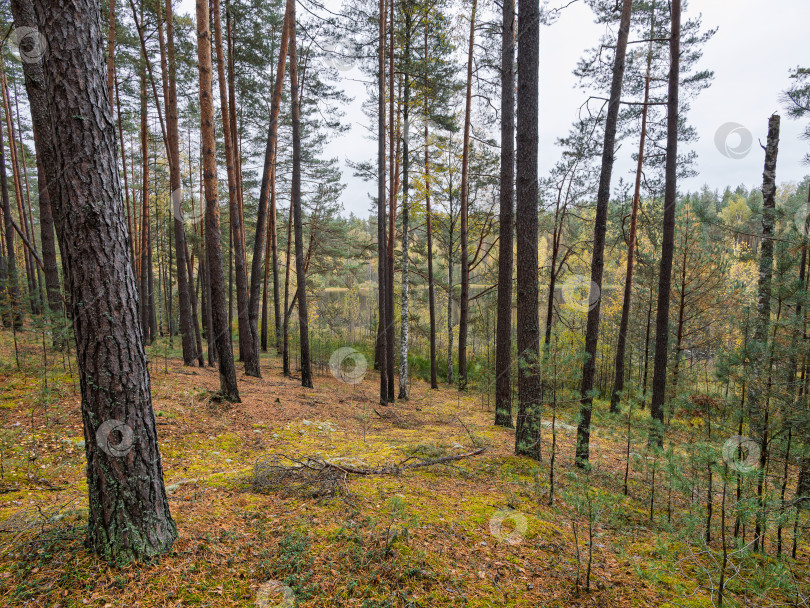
[(320, 477)]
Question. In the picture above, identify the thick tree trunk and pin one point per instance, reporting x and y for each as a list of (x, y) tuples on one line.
[(464, 304), (527, 431), (624, 324), (382, 257), (265, 194), (659, 387), (503, 347), (248, 347), (129, 514), (300, 270), (600, 229), (213, 236)]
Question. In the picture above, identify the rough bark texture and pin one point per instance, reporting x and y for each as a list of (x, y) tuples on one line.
[(503, 346), (11, 296), (405, 296), (382, 258), (464, 304), (760, 340), (659, 386), (221, 328), (248, 347), (187, 321), (265, 192), (23, 12), (527, 431), (392, 212), (600, 228), (300, 270), (129, 514), (434, 382), (621, 345), (145, 261)]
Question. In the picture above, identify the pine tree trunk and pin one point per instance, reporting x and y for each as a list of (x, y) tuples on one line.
[(624, 323), (129, 514), (23, 12), (188, 321), (392, 210), (11, 295), (382, 257), (268, 184), (145, 269), (600, 229), (434, 382), (668, 236), (300, 270), (503, 347), (405, 297), (221, 329), (248, 347), (464, 304), (527, 428)]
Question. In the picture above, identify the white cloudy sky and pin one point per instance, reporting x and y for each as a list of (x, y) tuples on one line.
[(757, 42)]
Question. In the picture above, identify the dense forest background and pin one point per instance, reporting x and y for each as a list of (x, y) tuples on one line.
[(625, 360)]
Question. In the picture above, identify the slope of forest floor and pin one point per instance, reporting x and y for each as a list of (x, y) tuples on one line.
[(424, 537)]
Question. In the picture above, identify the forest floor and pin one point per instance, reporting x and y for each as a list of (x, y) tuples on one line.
[(425, 537)]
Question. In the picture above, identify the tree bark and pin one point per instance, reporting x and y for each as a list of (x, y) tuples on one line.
[(213, 236), (382, 257), (129, 513), (668, 235), (434, 382), (248, 347), (392, 212), (600, 229), (527, 431), (145, 269), (24, 16), (464, 304), (300, 270), (268, 176), (11, 297), (187, 321), (503, 347), (405, 297), (621, 345)]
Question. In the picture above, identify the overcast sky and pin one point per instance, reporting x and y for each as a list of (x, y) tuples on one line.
[(756, 44)]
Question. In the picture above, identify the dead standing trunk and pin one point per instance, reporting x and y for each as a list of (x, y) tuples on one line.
[(129, 514), (758, 411)]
